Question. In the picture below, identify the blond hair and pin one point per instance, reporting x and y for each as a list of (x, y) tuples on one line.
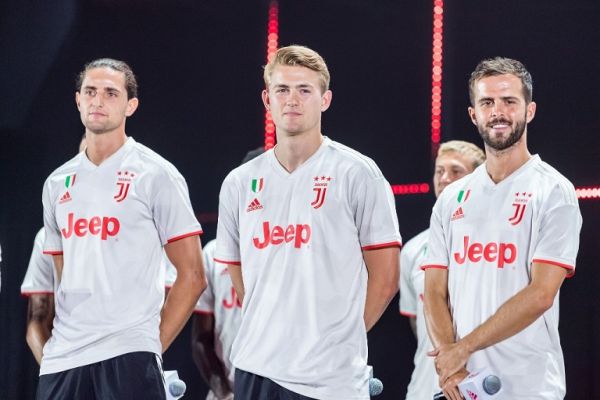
[(299, 56), (467, 149)]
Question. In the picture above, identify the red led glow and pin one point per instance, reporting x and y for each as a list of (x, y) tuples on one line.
[(436, 75), (588, 193), (410, 188), (272, 44)]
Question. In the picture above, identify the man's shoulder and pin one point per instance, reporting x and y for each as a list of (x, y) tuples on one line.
[(253, 169), (547, 177), (151, 160), (342, 154)]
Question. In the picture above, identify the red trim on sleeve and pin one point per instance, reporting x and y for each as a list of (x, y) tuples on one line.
[(424, 267), (407, 314), (568, 267), (228, 262), (202, 312), (382, 245), (176, 238), (28, 294), (168, 287), (53, 252)]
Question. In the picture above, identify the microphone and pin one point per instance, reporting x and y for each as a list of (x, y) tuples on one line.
[(375, 385), (480, 385), (174, 387), (177, 388)]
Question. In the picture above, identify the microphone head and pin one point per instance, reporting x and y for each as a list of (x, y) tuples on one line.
[(375, 387), (491, 384), (177, 388)]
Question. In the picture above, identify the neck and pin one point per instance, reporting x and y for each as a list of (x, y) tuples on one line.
[(292, 151), (500, 164), (102, 146)]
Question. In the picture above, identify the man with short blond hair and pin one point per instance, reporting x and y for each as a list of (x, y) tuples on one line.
[(454, 160), (310, 236)]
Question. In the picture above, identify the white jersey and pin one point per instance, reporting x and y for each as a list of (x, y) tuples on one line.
[(220, 299), (424, 380), (39, 278), (110, 223), (488, 235), (299, 238)]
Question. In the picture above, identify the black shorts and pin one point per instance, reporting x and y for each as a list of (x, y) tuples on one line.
[(128, 376), (248, 386)]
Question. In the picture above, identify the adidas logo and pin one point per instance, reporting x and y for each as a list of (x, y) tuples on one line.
[(458, 214), (254, 205), (65, 197)]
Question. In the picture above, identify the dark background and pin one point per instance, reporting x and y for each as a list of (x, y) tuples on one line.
[(199, 69)]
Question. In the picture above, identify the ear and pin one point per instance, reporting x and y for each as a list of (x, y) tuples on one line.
[(266, 100), (77, 100), (531, 107), (472, 115), (132, 105), (326, 100)]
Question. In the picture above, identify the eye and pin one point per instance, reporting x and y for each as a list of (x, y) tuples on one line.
[(88, 92)]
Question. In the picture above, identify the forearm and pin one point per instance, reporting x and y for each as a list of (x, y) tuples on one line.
[(379, 295), (512, 317), (211, 369), (179, 305), (438, 320), (37, 336), (382, 283), (235, 273)]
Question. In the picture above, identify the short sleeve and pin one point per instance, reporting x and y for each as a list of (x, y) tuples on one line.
[(53, 242), (376, 217), (437, 252), (228, 233), (559, 229), (172, 210), (408, 294), (39, 277)]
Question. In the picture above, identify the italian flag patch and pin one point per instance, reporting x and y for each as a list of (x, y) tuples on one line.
[(70, 180)]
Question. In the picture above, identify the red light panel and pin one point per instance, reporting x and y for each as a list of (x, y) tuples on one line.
[(588, 193), (411, 188), (436, 76), (272, 44)]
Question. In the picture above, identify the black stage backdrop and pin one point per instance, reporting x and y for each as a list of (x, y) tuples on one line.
[(199, 68)]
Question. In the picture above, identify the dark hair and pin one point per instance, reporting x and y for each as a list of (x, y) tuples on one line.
[(121, 66), (501, 66)]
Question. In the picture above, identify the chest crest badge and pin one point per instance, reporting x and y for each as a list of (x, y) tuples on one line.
[(519, 203), (124, 181), (320, 184)]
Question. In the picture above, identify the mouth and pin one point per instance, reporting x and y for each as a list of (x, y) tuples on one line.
[(499, 124)]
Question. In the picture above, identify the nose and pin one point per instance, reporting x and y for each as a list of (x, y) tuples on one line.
[(97, 100), (445, 178), (292, 98), (498, 109)]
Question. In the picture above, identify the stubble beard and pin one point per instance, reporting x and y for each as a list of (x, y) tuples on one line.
[(502, 144)]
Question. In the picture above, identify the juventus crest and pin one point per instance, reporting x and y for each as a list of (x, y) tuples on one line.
[(124, 181), (320, 189), (520, 203)]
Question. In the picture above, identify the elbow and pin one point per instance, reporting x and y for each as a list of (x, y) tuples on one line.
[(543, 301), (390, 289)]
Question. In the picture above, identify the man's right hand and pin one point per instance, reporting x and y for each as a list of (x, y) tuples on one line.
[(450, 386)]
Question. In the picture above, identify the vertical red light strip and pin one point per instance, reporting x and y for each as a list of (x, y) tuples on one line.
[(436, 76), (272, 44)]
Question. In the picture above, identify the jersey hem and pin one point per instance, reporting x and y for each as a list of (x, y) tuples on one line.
[(228, 262), (202, 312), (382, 245), (569, 268), (53, 252), (176, 238), (436, 266), (29, 293), (407, 314)]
